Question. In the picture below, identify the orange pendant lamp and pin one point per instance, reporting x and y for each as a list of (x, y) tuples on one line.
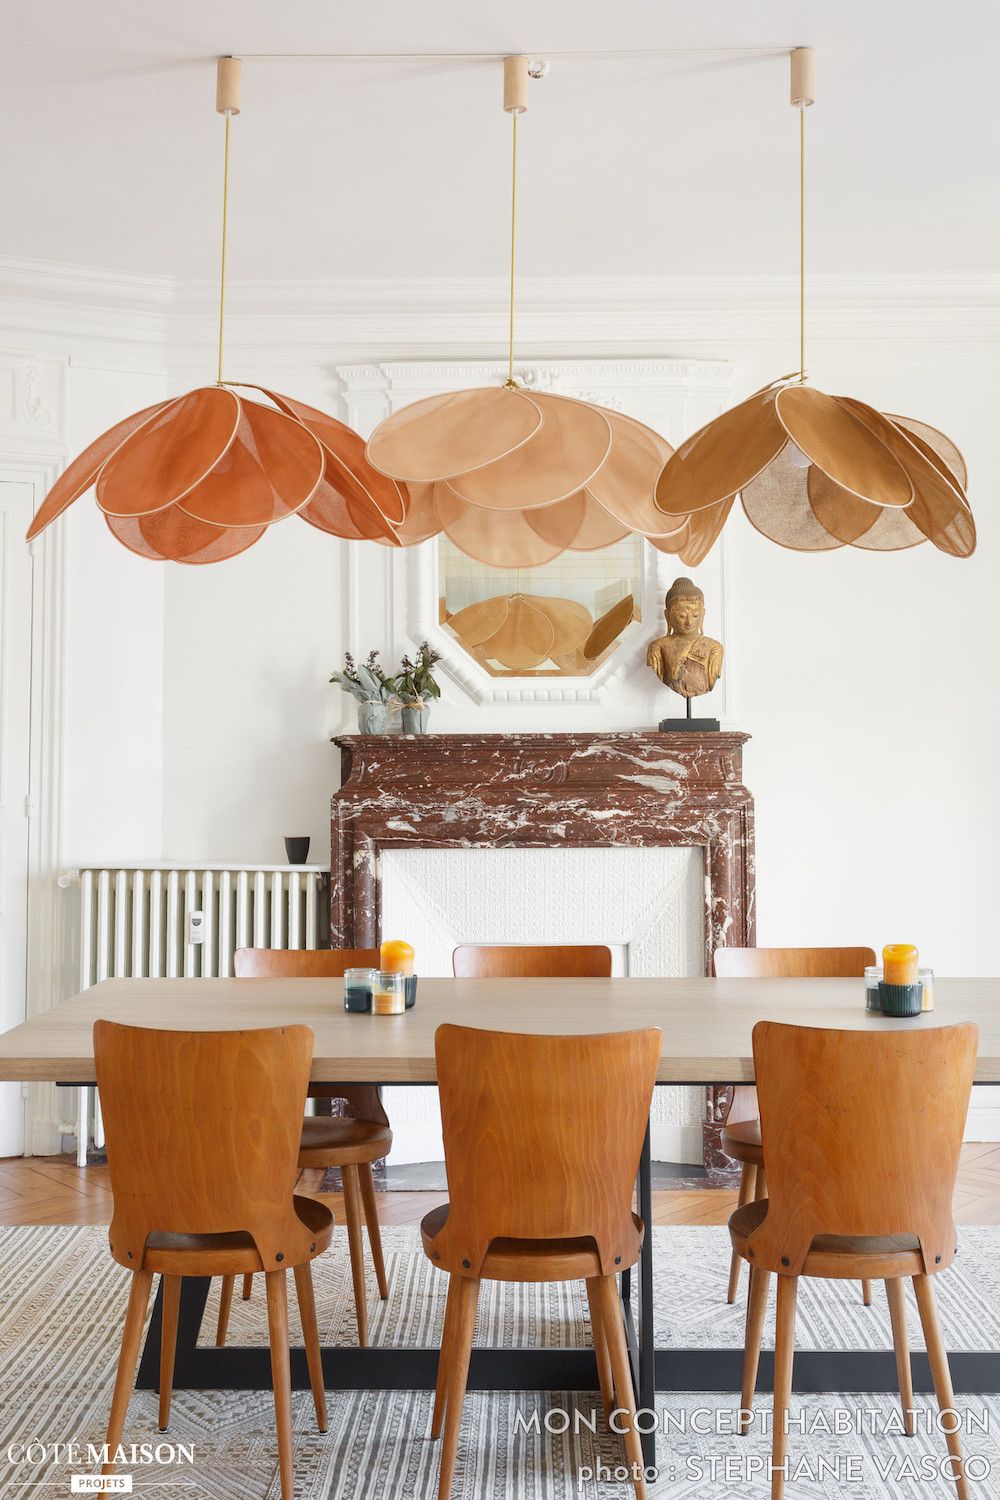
[(816, 472), (200, 477), (512, 476)]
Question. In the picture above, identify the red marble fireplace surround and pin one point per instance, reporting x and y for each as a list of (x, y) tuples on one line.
[(634, 787)]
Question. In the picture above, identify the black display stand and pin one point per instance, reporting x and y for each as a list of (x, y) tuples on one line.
[(688, 725)]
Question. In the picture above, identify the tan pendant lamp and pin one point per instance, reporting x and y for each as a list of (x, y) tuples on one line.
[(514, 476), (815, 472), (200, 477)]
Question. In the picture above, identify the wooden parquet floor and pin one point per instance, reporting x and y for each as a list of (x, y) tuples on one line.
[(53, 1190)]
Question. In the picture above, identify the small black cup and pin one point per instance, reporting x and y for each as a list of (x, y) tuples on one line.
[(297, 850)]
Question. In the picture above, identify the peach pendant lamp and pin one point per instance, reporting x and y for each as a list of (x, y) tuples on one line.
[(815, 472), (201, 477), (512, 476)]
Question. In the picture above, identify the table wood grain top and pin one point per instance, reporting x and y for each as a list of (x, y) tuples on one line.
[(706, 1023)]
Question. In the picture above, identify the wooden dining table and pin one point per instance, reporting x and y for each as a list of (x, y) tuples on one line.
[(707, 1027)]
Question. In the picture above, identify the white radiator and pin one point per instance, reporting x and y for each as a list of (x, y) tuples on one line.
[(172, 921)]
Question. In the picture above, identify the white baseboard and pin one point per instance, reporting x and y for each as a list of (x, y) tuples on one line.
[(983, 1124)]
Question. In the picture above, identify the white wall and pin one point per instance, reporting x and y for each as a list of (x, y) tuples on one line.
[(114, 613), (197, 712)]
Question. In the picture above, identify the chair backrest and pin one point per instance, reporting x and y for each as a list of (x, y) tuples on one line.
[(542, 1138), (365, 1100), (301, 963), (877, 1151), (203, 1131), (472, 961), (792, 963)]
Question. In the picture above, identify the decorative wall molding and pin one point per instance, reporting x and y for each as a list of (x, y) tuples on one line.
[(294, 323)]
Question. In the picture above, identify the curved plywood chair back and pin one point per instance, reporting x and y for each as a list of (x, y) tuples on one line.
[(580, 961), (792, 963), (876, 1153), (203, 1132), (301, 963), (542, 1138), (365, 1100)]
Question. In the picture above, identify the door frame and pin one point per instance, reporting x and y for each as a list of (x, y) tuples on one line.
[(43, 970)]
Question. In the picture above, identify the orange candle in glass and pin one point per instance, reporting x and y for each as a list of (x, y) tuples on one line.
[(900, 963), (396, 957)]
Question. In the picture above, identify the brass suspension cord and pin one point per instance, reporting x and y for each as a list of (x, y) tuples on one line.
[(513, 248), (802, 244), (225, 235)]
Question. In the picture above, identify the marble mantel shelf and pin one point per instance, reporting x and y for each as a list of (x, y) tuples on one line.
[(629, 788)]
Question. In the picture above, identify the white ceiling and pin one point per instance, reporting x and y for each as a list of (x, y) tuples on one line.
[(112, 150)]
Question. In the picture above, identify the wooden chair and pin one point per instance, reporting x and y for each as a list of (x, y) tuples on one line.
[(202, 1135), (860, 1184), (542, 1137), (741, 1135), (472, 961), (350, 1144)]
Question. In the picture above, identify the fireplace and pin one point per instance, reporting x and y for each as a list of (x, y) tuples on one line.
[(637, 839)]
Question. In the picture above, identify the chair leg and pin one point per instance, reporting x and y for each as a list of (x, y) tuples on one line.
[(748, 1184), (900, 1342), (866, 1292), (938, 1357), (281, 1374), (606, 1288), (784, 1353), (601, 1352), (168, 1344), (225, 1303), (135, 1318), (760, 1189), (374, 1230), (447, 1338), (466, 1290), (760, 1285), (353, 1214), (247, 1286), (310, 1334)]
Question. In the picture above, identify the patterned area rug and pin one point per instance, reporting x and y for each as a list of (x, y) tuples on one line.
[(60, 1322)]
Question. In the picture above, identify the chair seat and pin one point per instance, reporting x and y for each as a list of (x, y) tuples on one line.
[(526, 1260), (742, 1142), (333, 1141), (846, 1257), (229, 1254)]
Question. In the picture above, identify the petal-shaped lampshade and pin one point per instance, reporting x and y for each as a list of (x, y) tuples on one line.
[(609, 627), (567, 450), (447, 435), (173, 536), (817, 472), (500, 539), (214, 469), (522, 631), (577, 476)]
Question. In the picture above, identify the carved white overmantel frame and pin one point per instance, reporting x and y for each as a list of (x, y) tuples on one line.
[(674, 396)]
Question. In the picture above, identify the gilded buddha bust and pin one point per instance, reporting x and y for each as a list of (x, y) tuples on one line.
[(685, 659)]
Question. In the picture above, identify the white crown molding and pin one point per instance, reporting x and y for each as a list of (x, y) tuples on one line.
[(157, 320)]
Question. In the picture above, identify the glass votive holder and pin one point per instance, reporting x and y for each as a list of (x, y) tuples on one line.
[(926, 977), (388, 993), (873, 978), (358, 984), (410, 985)]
